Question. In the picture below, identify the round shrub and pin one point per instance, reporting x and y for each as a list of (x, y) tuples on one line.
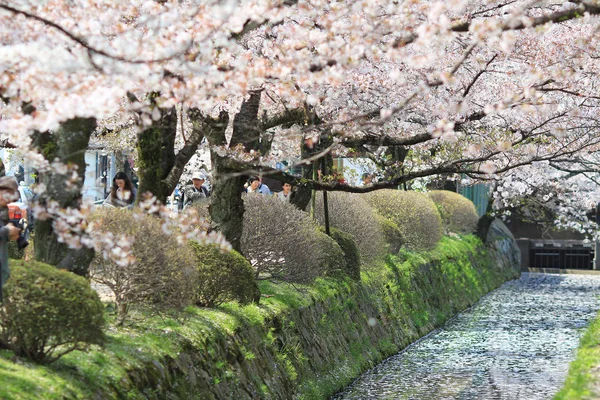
[(350, 251), (48, 312), (392, 234), (458, 213), (160, 272), (281, 241), (223, 276), (350, 213), (414, 213)]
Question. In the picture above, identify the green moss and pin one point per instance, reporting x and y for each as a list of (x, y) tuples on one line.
[(583, 375)]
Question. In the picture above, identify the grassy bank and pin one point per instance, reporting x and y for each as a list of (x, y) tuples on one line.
[(303, 341), (583, 379)]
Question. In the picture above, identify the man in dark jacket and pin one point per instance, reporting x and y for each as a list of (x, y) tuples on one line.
[(192, 193), (9, 192)]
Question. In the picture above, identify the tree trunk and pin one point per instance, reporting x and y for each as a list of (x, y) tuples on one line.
[(227, 208), (302, 195), (160, 168), (156, 155), (227, 211), (68, 144)]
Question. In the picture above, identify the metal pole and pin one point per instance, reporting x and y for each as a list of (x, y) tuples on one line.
[(325, 206), (313, 192), (597, 255)]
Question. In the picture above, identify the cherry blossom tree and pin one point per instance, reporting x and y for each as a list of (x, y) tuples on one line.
[(551, 195), (420, 87)]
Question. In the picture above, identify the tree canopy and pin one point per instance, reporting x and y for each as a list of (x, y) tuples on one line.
[(480, 88)]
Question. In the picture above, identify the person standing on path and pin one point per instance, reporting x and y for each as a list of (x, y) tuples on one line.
[(9, 192), (194, 192), (256, 186)]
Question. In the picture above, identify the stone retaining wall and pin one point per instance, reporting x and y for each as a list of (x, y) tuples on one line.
[(314, 351)]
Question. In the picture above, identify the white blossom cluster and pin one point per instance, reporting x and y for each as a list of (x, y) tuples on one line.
[(185, 226), (570, 200)]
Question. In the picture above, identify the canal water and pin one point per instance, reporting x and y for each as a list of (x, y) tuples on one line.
[(515, 343)]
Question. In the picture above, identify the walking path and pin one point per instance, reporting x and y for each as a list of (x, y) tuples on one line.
[(516, 343)]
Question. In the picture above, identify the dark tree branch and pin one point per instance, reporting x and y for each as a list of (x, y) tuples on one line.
[(286, 119), (476, 77), (202, 126), (523, 23), (81, 41), (387, 140), (570, 92)]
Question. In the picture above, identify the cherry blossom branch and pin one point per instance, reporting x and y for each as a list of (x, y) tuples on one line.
[(83, 42), (559, 16), (570, 92), (497, 7), (476, 77)]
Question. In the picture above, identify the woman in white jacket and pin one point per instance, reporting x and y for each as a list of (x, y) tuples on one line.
[(122, 193)]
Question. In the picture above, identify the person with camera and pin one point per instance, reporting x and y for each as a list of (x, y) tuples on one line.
[(9, 192)]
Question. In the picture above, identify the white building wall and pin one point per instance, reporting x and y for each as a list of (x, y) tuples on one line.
[(92, 190)]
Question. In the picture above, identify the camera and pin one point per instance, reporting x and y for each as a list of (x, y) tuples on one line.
[(22, 241)]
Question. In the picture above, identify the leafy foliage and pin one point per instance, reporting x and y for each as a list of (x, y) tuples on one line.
[(352, 214), (48, 312), (160, 271), (223, 276), (282, 242), (415, 214), (457, 212)]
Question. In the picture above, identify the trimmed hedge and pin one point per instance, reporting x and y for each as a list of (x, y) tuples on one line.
[(329, 255), (48, 312), (223, 276), (415, 214), (392, 234), (458, 213), (284, 243), (350, 253), (350, 213)]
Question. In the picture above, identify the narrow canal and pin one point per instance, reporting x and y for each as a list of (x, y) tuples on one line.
[(516, 343)]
